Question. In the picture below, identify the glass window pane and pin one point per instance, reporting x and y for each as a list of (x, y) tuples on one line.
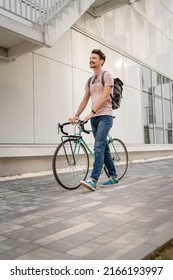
[(172, 89), (157, 91), (158, 112), (159, 136), (148, 109), (166, 88), (168, 137), (148, 135), (156, 83), (146, 80), (167, 114)]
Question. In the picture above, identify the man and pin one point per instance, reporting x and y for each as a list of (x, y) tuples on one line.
[(101, 120)]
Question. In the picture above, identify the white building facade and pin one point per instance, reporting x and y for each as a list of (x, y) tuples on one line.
[(43, 87)]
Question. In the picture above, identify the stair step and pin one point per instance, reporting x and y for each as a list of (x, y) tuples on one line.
[(21, 22)]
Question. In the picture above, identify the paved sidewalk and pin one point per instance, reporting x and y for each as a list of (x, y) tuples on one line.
[(41, 220)]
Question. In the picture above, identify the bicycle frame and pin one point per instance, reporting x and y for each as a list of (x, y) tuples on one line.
[(79, 138), (76, 150)]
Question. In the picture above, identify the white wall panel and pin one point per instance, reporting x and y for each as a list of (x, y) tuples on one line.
[(118, 128), (128, 24), (159, 15), (79, 80), (109, 27), (61, 51), (16, 100), (150, 11), (113, 63), (81, 50), (95, 25), (120, 27), (147, 9), (167, 55), (168, 4), (167, 23), (53, 98), (140, 7), (133, 116), (159, 51), (81, 22), (131, 73), (152, 45), (139, 38)]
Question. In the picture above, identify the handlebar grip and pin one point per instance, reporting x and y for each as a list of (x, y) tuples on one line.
[(60, 127), (82, 123)]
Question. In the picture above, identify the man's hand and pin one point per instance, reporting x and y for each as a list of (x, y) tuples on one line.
[(73, 120)]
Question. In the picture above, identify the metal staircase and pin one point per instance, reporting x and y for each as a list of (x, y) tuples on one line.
[(26, 25)]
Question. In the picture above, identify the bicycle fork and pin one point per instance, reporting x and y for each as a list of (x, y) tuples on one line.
[(72, 151)]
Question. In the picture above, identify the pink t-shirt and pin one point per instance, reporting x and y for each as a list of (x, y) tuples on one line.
[(96, 91)]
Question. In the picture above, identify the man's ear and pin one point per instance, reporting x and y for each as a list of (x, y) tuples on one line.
[(102, 61)]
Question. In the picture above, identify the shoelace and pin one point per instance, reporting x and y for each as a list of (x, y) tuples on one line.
[(89, 180)]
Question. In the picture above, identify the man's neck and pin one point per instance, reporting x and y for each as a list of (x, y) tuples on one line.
[(98, 71)]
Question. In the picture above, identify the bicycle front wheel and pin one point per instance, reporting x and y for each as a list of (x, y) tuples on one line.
[(120, 157), (70, 163)]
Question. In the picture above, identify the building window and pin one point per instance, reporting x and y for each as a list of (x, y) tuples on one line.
[(157, 91), (156, 84), (148, 118), (148, 106), (158, 112)]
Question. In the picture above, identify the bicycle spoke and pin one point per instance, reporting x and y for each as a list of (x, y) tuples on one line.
[(70, 164), (120, 156)]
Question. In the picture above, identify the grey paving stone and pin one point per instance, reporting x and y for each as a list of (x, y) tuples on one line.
[(18, 251), (70, 242), (137, 253), (104, 252), (44, 254), (9, 227), (9, 244), (41, 220), (2, 238), (161, 237)]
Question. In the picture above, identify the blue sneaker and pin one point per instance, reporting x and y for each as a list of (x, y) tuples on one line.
[(89, 184), (110, 182)]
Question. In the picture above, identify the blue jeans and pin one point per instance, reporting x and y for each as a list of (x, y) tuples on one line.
[(101, 126)]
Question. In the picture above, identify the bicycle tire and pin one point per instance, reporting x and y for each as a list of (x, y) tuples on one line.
[(120, 157), (69, 169)]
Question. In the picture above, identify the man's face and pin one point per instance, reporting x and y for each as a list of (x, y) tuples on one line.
[(95, 61)]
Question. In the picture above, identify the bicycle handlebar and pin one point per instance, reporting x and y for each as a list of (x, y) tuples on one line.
[(79, 123), (60, 127)]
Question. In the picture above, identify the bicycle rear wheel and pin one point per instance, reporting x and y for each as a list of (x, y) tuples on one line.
[(120, 157), (70, 163)]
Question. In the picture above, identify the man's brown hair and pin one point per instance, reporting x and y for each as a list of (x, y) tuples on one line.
[(100, 53)]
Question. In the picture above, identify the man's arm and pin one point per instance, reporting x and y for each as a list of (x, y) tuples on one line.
[(81, 107)]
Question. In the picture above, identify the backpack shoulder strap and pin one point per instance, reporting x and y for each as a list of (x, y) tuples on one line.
[(89, 82), (102, 78)]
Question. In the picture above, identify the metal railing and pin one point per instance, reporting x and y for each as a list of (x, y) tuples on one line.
[(35, 11)]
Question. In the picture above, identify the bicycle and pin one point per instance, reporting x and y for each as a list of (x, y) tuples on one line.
[(71, 161)]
